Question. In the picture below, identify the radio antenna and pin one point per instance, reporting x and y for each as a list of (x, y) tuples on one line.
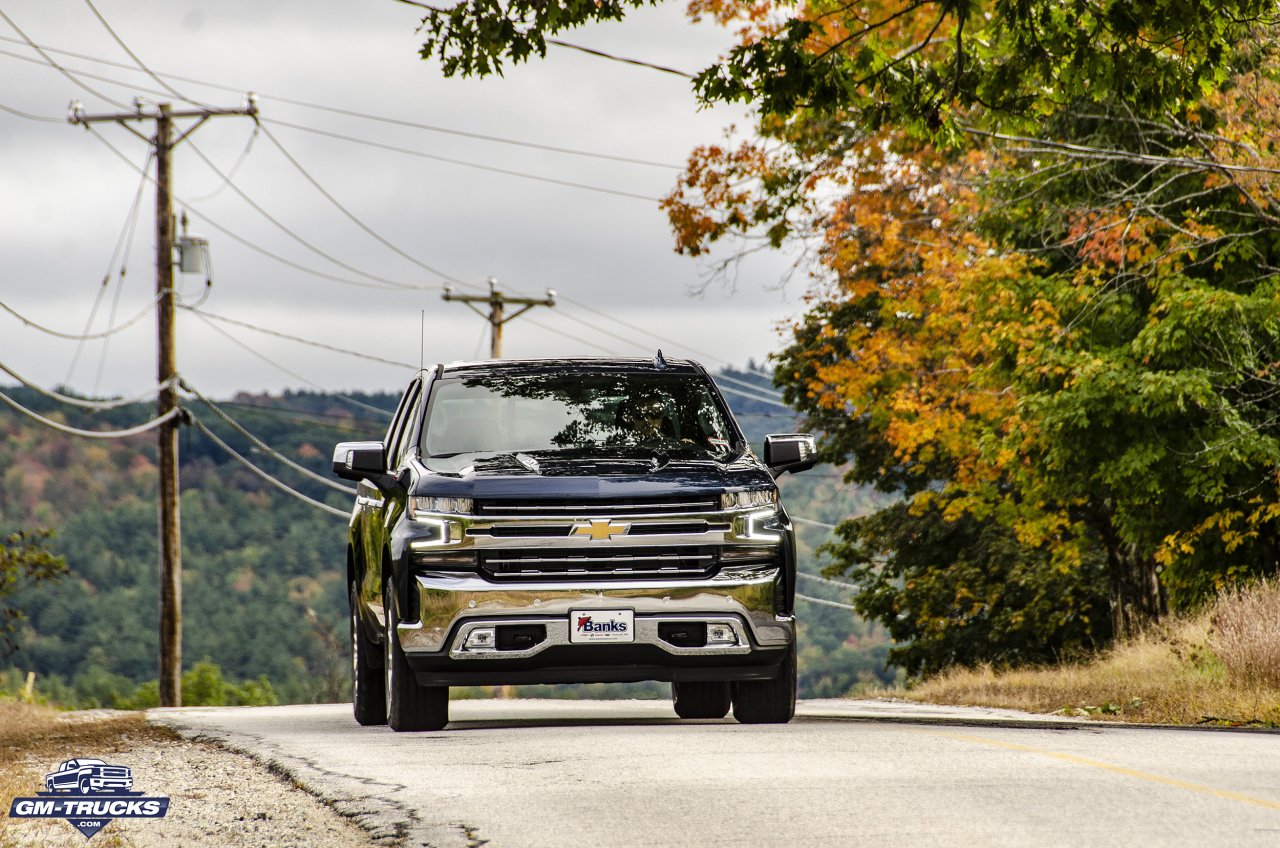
[(422, 339)]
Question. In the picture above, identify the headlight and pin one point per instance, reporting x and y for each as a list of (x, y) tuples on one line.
[(422, 507), (749, 500), (762, 526)]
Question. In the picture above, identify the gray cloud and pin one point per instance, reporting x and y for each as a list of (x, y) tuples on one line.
[(65, 196)]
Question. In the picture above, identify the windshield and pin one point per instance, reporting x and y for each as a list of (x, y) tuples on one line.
[(668, 415)]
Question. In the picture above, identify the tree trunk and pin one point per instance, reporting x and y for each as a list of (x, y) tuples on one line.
[(1135, 592)]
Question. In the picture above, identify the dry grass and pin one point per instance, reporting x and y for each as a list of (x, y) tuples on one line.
[(1246, 634), (1219, 667), (34, 738)]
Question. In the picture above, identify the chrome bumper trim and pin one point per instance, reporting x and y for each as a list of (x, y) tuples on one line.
[(646, 633), (446, 601)]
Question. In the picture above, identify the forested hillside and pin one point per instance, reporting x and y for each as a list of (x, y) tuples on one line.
[(263, 573)]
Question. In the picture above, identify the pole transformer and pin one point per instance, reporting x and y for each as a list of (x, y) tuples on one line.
[(170, 519), (497, 316)]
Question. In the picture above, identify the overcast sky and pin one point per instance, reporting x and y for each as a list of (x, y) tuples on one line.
[(66, 197)]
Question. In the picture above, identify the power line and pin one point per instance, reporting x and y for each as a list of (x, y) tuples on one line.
[(261, 445), (29, 116), (623, 59), (826, 603), (339, 422), (79, 336), (264, 475), (286, 370), (337, 110), (231, 234), (125, 235), (462, 163), (235, 168), (824, 580), (53, 64), (299, 339), (679, 345), (370, 143), (84, 403), (350, 215), (135, 58), (227, 182), (813, 523), (599, 53), (91, 434)]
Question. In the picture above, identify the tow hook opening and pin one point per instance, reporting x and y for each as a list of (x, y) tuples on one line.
[(519, 637)]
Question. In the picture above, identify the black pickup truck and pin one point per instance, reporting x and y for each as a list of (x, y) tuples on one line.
[(570, 521)]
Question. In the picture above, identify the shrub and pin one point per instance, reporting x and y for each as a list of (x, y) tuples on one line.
[(1246, 633)]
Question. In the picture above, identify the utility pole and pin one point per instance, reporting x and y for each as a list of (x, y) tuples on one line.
[(497, 309), (166, 369)]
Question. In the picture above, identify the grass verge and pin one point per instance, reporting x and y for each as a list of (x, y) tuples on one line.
[(35, 738), (1218, 667)]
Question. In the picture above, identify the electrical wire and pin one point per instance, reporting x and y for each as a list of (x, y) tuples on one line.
[(79, 336), (286, 370), (351, 216), (599, 53), (826, 603), (632, 341), (90, 434), (337, 110), (126, 231), (299, 339), (638, 329), (813, 523), (29, 116), (53, 64), (623, 59), (235, 168), (577, 339), (213, 437), (327, 419), (231, 234), (134, 57), (84, 403), (284, 229), (263, 446), (818, 579), (462, 163)]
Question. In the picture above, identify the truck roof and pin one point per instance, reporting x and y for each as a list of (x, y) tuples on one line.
[(583, 364)]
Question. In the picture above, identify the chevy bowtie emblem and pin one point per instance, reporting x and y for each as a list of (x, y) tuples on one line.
[(601, 530)]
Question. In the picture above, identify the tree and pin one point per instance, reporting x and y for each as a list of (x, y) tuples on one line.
[(25, 562), (1045, 279)]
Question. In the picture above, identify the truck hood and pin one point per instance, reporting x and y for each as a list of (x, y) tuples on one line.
[(597, 479)]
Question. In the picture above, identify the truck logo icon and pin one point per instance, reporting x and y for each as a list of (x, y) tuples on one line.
[(602, 530), (89, 793), (87, 776)]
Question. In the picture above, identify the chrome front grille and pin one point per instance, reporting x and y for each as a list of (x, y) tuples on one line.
[(597, 506), (604, 564)]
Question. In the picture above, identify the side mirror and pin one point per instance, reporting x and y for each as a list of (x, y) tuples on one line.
[(361, 461), (794, 452)]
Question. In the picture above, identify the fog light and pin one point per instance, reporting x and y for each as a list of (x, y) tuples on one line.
[(721, 634), (481, 639)]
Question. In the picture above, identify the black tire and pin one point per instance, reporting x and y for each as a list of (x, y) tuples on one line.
[(700, 699), (368, 692), (85, 786), (768, 701), (410, 707)]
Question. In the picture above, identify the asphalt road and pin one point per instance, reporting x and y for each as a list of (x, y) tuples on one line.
[(593, 774)]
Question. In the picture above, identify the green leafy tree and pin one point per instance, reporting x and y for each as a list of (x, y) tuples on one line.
[(25, 562)]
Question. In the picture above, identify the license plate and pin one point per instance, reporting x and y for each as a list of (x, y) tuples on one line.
[(602, 626)]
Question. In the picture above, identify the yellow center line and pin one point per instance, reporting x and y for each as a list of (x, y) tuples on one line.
[(1111, 767)]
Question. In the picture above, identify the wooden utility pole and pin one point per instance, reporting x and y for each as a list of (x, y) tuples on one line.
[(167, 374), (497, 309)]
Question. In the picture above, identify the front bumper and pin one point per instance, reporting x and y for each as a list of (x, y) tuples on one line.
[(452, 605)]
